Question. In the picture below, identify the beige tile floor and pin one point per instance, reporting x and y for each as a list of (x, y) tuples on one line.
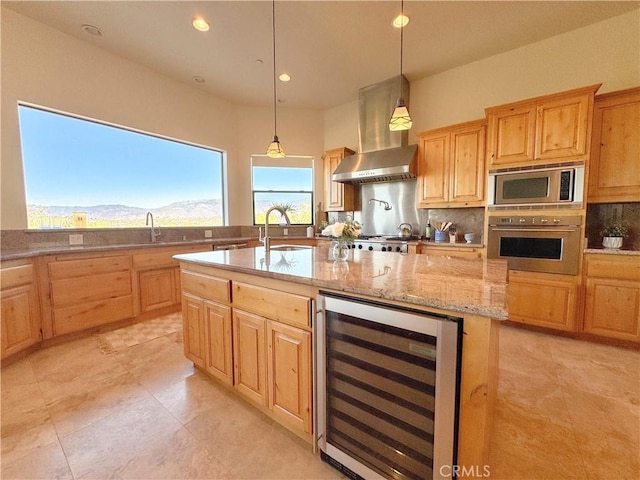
[(129, 405)]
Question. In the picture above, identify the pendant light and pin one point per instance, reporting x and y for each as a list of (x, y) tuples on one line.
[(274, 150), (400, 118)]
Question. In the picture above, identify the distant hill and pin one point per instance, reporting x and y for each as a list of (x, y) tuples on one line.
[(185, 209)]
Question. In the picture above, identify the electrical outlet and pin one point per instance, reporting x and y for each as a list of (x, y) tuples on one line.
[(76, 239), (286, 231), (208, 233)]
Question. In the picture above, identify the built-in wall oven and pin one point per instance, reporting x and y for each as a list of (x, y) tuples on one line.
[(536, 243), (387, 386)]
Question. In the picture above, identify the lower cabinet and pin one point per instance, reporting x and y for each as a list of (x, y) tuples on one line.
[(249, 356), (289, 374), (612, 306), (157, 289), (20, 315), (194, 330), (544, 300), (255, 338)]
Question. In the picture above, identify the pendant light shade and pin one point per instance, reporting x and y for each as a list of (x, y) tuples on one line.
[(275, 150), (400, 118)]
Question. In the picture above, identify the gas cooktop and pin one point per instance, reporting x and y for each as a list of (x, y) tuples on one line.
[(386, 238)]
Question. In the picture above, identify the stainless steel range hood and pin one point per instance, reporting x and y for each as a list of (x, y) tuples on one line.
[(384, 155)]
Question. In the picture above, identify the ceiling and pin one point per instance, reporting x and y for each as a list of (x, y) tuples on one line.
[(330, 48)]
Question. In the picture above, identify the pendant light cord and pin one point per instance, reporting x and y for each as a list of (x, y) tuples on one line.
[(401, 41), (275, 114)]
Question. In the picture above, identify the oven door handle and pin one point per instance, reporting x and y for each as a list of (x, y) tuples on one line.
[(545, 230)]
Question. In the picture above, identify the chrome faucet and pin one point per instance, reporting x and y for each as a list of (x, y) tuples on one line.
[(154, 233), (386, 204), (266, 240)]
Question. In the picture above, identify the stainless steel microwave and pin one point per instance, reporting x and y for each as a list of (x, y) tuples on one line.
[(559, 184)]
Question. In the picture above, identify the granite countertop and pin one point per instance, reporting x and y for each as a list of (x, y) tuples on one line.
[(612, 251), (471, 286), (54, 249)]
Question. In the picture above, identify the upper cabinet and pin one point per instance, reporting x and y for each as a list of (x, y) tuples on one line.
[(451, 166), (338, 197), (536, 131), (614, 170)]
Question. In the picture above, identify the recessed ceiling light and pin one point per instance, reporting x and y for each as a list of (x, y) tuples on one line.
[(201, 24), (400, 21), (284, 77), (198, 79), (91, 30)]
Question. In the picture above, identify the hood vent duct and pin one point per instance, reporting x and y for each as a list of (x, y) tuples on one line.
[(384, 155)]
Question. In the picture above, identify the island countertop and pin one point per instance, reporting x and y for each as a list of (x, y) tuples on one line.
[(472, 286)]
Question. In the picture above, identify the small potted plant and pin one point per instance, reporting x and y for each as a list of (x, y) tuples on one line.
[(612, 235)]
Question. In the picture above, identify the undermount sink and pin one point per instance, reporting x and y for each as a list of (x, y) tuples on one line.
[(289, 248)]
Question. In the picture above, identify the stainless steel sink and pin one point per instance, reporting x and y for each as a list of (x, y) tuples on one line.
[(289, 248)]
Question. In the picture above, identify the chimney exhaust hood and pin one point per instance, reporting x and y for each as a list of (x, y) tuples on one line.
[(385, 155)]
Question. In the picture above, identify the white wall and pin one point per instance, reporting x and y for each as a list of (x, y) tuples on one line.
[(607, 52), (43, 66)]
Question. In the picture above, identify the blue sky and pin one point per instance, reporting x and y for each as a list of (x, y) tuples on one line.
[(75, 162)]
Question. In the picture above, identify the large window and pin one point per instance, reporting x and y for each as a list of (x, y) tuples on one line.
[(86, 174), (287, 183)]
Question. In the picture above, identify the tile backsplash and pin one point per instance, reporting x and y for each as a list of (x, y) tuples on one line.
[(600, 215)]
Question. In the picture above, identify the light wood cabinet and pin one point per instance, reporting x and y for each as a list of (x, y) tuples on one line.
[(338, 197), (451, 251), (157, 289), (541, 130), (612, 304), (219, 357), (289, 374), (20, 314), (249, 358), (451, 166), (194, 329), (544, 300), (614, 170), (88, 292)]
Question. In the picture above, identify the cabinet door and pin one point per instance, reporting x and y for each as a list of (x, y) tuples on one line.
[(542, 302), (511, 135), (433, 169), (614, 173), (338, 197), (613, 308), (249, 356), (218, 342), (157, 289), (562, 128), (467, 166), (194, 329), (289, 375), (19, 319)]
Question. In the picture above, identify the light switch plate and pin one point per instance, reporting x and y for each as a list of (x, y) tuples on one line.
[(286, 231), (208, 233), (76, 239)]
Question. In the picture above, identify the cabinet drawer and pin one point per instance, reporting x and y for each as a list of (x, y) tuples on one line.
[(88, 266), (73, 291), (621, 269), (79, 317), (206, 286), (15, 276), (163, 256), (286, 307)]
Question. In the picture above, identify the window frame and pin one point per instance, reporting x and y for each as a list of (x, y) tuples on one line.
[(264, 161), (223, 163)]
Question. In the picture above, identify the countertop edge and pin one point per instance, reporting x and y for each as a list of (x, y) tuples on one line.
[(494, 313)]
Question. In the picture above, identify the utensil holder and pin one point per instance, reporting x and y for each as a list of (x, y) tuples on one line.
[(441, 236)]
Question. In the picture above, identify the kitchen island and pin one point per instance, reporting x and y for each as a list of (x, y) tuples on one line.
[(249, 315)]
